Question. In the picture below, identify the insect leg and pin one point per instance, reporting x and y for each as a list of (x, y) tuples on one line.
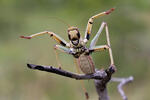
[(98, 48), (94, 40), (62, 49), (108, 43), (83, 86), (53, 35), (57, 59), (90, 22)]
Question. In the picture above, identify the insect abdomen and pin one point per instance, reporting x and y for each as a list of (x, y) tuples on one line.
[(86, 64)]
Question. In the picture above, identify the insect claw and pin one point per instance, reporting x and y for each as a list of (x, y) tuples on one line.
[(109, 11), (25, 37)]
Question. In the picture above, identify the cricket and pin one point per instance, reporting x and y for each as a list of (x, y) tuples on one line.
[(77, 45)]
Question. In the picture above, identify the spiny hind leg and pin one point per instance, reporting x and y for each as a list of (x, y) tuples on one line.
[(53, 35), (90, 23)]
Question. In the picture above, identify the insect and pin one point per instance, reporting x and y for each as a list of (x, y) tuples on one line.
[(77, 45)]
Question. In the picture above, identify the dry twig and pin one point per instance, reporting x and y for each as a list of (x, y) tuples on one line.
[(123, 81), (101, 78)]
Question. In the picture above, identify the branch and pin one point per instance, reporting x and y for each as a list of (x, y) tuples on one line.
[(101, 77), (98, 75), (101, 85), (122, 81)]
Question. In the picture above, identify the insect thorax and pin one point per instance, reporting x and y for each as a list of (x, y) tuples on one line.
[(79, 51)]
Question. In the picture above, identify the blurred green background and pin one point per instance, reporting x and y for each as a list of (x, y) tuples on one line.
[(129, 34)]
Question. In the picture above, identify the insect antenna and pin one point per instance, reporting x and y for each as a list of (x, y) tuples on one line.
[(64, 22)]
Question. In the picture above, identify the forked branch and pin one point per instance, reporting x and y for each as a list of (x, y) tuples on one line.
[(101, 77), (122, 82)]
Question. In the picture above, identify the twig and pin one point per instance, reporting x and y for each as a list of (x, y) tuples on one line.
[(122, 81), (99, 75)]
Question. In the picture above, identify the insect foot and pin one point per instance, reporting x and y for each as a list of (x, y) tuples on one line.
[(25, 37)]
